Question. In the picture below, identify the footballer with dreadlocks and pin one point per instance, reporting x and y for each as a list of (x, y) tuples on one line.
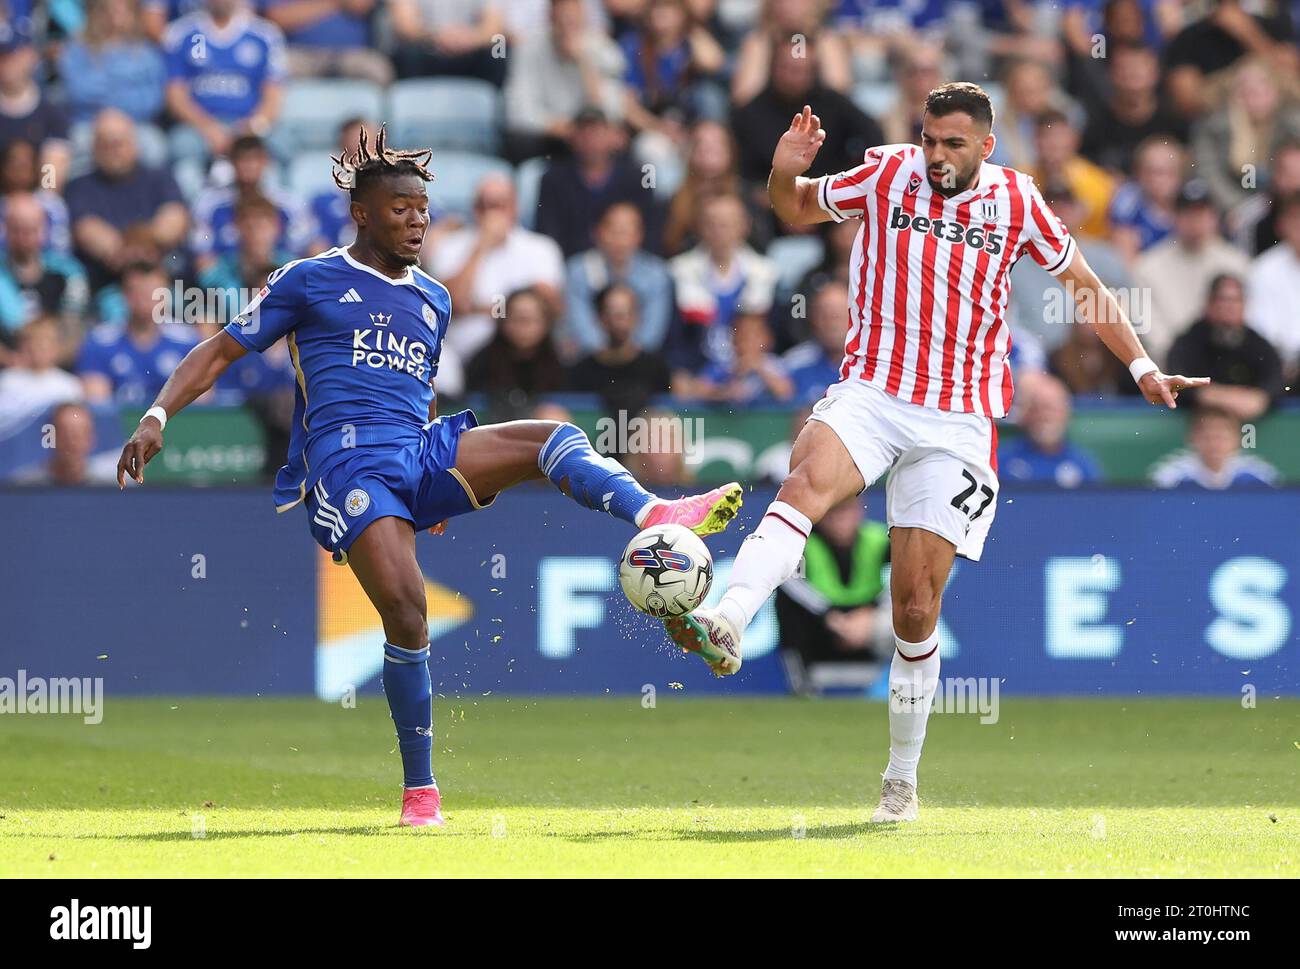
[(368, 458)]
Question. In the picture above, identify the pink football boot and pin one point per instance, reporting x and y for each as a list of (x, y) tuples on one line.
[(704, 514), (421, 807)]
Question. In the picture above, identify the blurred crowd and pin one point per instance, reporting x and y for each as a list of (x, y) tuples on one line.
[(603, 225)]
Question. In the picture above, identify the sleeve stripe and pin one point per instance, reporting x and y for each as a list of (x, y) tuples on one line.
[(824, 199)]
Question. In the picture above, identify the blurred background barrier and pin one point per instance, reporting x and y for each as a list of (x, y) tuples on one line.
[(228, 445), (177, 591)]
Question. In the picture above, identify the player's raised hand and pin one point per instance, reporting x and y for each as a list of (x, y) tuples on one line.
[(799, 145), (139, 450), (1163, 388)]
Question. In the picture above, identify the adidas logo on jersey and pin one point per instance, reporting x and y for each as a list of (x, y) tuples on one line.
[(351, 296)]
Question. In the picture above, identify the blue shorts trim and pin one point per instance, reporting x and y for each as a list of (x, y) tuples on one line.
[(417, 482)]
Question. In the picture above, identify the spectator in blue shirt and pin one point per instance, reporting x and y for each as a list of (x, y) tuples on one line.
[(1142, 210), (240, 273), (118, 193), (215, 234), (751, 374), (130, 363), (1044, 454), (815, 364), (329, 39), (111, 64), (1214, 461), (225, 73), (617, 258)]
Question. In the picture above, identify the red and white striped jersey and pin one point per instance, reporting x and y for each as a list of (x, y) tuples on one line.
[(928, 277)]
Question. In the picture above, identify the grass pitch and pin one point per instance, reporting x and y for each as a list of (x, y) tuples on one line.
[(603, 786)]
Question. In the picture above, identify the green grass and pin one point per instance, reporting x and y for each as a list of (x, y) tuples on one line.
[(602, 786)]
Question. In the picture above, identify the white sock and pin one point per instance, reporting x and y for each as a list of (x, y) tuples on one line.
[(912, 683), (766, 559)]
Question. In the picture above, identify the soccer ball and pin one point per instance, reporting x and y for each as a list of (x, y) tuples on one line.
[(666, 571)]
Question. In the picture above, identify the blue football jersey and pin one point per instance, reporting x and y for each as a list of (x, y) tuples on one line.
[(225, 68), (365, 349)]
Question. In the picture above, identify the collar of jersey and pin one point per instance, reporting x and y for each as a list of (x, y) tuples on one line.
[(405, 280)]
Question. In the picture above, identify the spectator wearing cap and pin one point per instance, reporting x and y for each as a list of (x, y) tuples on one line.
[(33, 279), (624, 373), (617, 257), (27, 113), (1056, 143), (553, 75), (129, 363), (1254, 222), (215, 233), (1142, 211), (1273, 288), (1044, 453), (1198, 57), (484, 263), (759, 124), (121, 192), (1243, 136), (330, 39), (225, 76), (1177, 272), (1213, 460), (437, 38), (576, 190), (1132, 114), (1245, 370)]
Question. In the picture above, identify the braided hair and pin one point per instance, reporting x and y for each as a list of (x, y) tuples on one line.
[(356, 171)]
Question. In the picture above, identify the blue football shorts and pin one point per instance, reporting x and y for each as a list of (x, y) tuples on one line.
[(416, 481)]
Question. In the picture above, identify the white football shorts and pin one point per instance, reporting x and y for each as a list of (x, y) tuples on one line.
[(941, 464)]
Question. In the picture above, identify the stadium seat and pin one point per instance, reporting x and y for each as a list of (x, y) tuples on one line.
[(457, 174), (314, 108), (875, 97), (794, 256), (445, 112), (528, 183), (311, 173)]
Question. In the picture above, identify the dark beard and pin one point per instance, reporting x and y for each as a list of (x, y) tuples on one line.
[(948, 193)]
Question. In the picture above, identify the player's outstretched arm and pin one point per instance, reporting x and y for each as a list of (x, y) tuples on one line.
[(191, 378), (794, 198), (1098, 306)]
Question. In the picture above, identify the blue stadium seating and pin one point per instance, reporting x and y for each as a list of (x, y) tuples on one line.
[(445, 112), (457, 174), (314, 109)]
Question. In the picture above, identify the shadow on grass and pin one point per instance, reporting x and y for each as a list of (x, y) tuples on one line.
[(826, 832)]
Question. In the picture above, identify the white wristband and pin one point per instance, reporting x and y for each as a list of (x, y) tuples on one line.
[(1142, 366), (158, 414)]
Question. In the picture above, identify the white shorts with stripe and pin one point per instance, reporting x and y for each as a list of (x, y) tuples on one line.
[(942, 464)]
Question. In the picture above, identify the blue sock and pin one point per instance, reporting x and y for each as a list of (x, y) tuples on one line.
[(598, 483), (410, 698)]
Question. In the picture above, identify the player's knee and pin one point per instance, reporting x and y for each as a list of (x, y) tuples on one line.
[(915, 611), (801, 491), (404, 617)]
